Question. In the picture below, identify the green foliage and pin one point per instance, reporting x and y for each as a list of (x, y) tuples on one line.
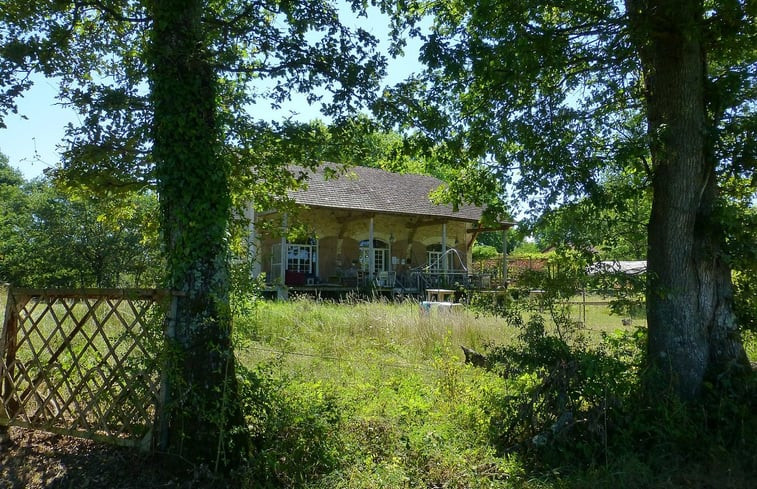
[(52, 238), (612, 220), (484, 252), (391, 404), (165, 89), (745, 299), (294, 427), (494, 239), (564, 391), (526, 249), (580, 109), (563, 276), (740, 222), (261, 57), (574, 404), (411, 414)]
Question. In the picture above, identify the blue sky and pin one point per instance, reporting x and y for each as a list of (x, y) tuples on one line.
[(33, 136), (30, 142)]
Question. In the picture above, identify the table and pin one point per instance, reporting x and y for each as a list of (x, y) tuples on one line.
[(440, 295)]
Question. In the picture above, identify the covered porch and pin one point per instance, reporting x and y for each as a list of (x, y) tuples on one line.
[(335, 252)]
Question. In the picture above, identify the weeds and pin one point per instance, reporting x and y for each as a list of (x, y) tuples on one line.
[(376, 395), (576, 408)]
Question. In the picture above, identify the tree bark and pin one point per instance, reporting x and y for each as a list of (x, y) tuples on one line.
[(692, 328), (195, 205)]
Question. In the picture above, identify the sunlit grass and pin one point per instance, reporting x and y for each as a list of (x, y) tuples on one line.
[(395, 332), (411, 412)]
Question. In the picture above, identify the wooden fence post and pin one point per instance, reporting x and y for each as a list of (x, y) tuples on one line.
[(8, 346)]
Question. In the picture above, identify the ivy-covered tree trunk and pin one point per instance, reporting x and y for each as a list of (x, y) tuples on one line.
[(193, 188), (692, 329)]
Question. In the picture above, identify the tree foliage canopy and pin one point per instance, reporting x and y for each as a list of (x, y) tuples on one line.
[(548, 96), (51, 238), (263, 53), (558, 99)]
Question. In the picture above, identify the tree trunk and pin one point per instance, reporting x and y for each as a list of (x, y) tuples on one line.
[(692, 329), (195, 205)]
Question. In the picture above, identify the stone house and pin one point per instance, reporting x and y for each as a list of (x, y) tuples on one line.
[(366, 227)]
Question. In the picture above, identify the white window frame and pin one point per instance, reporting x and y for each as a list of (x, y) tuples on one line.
[(380, 257), (301, 257), (434, 262)]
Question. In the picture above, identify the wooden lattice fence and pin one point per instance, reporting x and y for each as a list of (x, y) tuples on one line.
[(85, 363)]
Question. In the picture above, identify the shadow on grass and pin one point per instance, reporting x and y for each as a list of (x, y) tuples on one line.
[(37, 460)]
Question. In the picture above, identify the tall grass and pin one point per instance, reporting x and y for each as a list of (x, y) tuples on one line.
[(406, 410), (376, 395), (357, 330)]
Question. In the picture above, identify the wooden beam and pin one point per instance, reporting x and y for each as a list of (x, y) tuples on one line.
[(474, 231), (503, 227), (474, 235), (427, 222)]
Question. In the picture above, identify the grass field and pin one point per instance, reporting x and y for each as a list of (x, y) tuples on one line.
[(376, 395), (366, 394), (405, 410)]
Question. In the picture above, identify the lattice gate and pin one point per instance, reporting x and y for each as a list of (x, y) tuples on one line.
[(85, 363)]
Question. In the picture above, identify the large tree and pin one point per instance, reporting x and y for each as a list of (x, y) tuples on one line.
[(552, 97), (168, 92)]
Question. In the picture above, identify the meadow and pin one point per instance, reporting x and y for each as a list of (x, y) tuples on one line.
[(386, 399), (377, 395)]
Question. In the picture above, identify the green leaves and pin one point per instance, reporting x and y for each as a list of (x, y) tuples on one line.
[(533, 73), (49, 238)]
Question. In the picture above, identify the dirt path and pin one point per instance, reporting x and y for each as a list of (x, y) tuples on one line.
[(35, 460)]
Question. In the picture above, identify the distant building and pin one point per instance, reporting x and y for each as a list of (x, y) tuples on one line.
[(367, 227)]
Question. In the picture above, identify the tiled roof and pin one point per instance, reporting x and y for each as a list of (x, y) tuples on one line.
[(371, 189)]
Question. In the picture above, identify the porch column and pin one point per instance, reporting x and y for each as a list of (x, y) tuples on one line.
[(466, 249), (252, 243), (445, 259), (371, 254), (282, 291)]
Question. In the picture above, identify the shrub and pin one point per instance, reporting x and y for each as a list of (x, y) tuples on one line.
[(294, 428), (573, 406), (484, 252), (745, 299)]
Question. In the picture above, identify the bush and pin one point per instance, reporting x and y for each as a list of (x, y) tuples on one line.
[(294, 428), (745, 299), (484, 252), (564, 391), (573, 406)]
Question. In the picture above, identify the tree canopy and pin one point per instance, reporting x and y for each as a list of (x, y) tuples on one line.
[(171, 94), (263, 53), (557, 99), (51, 238)]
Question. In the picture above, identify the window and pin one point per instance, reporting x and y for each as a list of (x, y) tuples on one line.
[(380, 256), (300, 258), (435, 260)]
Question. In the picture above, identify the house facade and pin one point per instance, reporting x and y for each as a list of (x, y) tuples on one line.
[(366, 227)]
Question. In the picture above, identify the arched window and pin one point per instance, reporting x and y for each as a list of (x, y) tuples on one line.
[(380, 256)]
